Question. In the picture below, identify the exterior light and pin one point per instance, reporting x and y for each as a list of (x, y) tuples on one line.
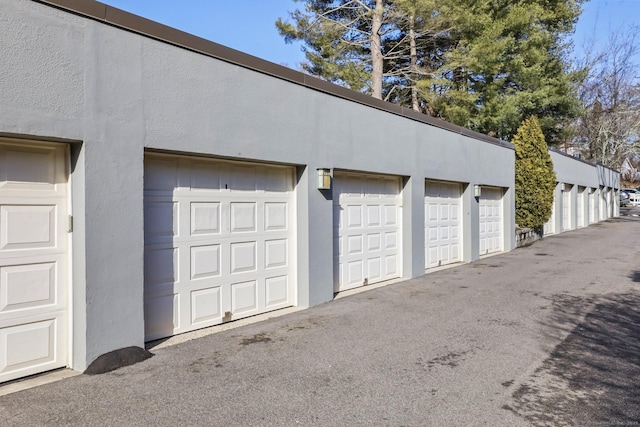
[(562, 186), (324, 179), (477, 190)]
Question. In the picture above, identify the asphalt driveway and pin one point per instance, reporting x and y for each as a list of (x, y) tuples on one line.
[(544, 335)]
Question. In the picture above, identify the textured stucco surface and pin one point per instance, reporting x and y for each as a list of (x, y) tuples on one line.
[(41, 85)]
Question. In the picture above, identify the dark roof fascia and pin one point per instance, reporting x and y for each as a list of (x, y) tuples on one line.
[(555, 150), (146, 27)]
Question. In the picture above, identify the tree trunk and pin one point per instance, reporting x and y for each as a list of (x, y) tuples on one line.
[(376, 50), (413, 75)]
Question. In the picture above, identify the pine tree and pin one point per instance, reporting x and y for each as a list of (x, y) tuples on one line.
[(535, 177), (506, 62), (342, 41)]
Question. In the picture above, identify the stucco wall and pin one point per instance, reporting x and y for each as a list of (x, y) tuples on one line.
[(572, 174), (113, 94)]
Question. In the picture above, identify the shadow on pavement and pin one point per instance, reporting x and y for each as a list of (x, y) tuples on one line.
[(591, 378)]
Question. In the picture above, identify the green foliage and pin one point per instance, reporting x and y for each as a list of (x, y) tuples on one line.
[(483, 64), (535, 177), (506, 62), (336, 40)]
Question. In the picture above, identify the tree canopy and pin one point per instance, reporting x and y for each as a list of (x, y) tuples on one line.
[(482, 64), (608, 132)]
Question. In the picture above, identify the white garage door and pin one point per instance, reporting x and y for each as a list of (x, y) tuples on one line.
[(33, 259), (581, 206), (366, 230), (219, 242), (550, 226), (593, 201), (567, 209), (490, 220), (442, 206)]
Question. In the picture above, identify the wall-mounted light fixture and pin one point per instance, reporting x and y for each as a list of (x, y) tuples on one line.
[(477, 190), (590, 190), (562, 186), (324, 179)]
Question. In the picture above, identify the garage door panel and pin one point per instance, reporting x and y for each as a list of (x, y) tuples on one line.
[(27, 227), (31, 168), (454, 212), (374, 242), (161, 266), (455, 233), (277, 291), (163, 219), (374, 269), (354, 271), (431, 234), (391, 266), (432, 212), (274, 180), (444, 254), (161, 175), (444, 212), (354, 216), (433, 253), (240, 178), (276, 253), (444, 233), (373, 216), (352, 186), (205, 218), (275, 217), (354, 245), (391, 240), (27, 345), (162, 315), (390, 215), (206, 305), (204, 176), (454, 253), (28, 286), (32, 344), (243, 257), (206, 261), (244, 297), (243, 217)]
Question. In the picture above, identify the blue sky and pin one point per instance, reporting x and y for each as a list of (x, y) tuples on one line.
[(248, 25)]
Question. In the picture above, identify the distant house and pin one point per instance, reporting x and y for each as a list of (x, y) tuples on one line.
[(629, 172)]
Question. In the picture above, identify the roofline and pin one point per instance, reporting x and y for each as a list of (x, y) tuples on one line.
[(136, 24), (555, 150)]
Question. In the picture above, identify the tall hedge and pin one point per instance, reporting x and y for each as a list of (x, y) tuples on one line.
[(535, 177)]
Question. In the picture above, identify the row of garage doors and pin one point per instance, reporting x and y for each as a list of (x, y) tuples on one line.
[(220, 237), (220, 243), (592, 205)]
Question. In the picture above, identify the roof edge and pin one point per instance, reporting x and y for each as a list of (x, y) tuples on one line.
[(578, 159)]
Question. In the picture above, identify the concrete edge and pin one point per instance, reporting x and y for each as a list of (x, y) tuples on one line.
[(37, 380)]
